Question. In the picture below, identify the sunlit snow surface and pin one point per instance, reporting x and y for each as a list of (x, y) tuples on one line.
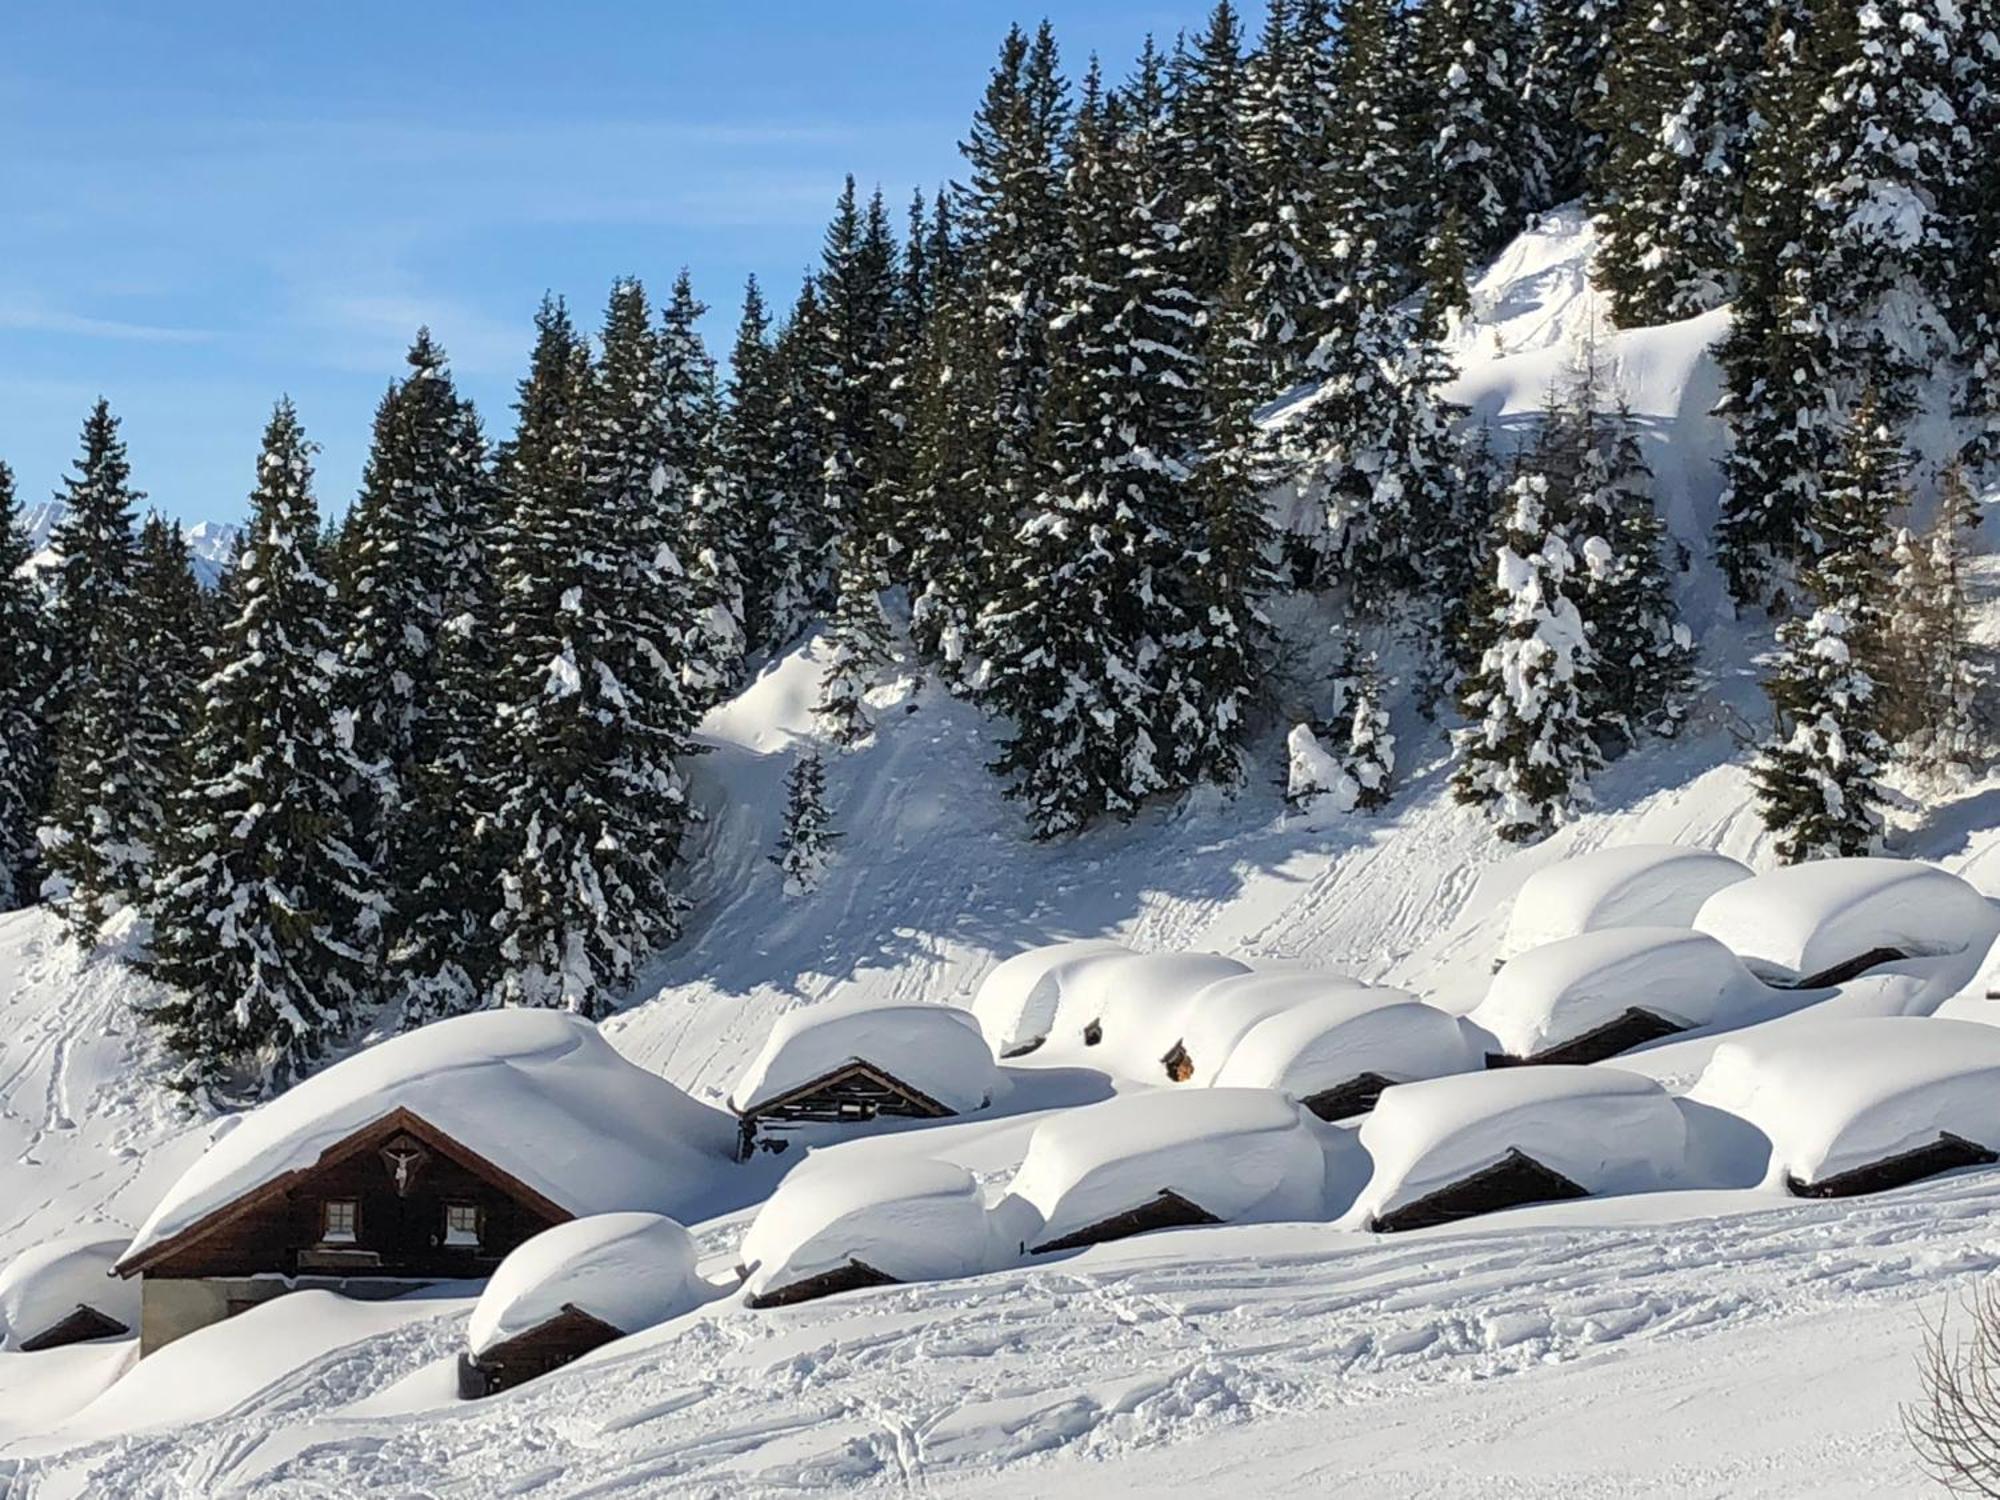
[(1713, 1341)]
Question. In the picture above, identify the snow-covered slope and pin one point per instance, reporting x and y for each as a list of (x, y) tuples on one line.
[(1538, 1352), (212, 545)]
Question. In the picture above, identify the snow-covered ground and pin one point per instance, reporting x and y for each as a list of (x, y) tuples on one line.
[(1712, 1341)]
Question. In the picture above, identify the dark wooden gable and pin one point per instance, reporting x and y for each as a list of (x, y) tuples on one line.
[(1167, 1210), (1945, 1154), (1515, 1179), (851, 1277), (853, 1092), (568, 1336), (1355, 1097), (1632, 1029), (402, 1174), (85, 1323)]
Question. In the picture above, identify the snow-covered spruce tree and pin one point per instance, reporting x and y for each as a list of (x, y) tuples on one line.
[(858, 310), (1477, 139), (263, 913), (954, 545), (588, 806), (1278, 252), (27, 672), (1645, 655), (1777, 360), (1012, 215), (1206, 159), (1376, 208), (1529, 747), (445, 958), (1932, 677), (1356, 766), (752, 462), (94, 859), (1888, 159), (804, 845), (715, 529), (1069, 637), (1817, 775), (798, 537), (1975, 213), (1575, 48), (1676, 115), (407, 548), (170, 630)]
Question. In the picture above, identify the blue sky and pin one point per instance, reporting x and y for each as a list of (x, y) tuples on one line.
[(204, 206)]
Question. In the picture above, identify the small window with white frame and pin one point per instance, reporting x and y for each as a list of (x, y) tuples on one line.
[(339, 1218), (461, 1223)]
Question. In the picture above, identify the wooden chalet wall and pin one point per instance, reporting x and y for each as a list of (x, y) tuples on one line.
[(398, 1234)]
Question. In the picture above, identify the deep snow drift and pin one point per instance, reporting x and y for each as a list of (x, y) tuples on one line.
[(1557, 1350)]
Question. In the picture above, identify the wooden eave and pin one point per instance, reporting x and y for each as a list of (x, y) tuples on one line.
[(856, 1067), (399, 1120)]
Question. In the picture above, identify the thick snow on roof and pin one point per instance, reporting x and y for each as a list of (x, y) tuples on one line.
[(540, 1094), (1801, 920), (911, 1218), (1323, 1043), (1017, 1001), (1606, 1130), (42, 1286), (1838, 1094), (1143, 1003), (1561, 990), (630, 1270), (936, 1049), (1226, 1011), (1240, 1154), (1629, 885)]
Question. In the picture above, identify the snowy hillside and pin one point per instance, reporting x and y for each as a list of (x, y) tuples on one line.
[(212, 546), (1562, 1349)]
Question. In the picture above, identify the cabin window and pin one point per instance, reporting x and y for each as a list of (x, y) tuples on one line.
[(461, 1223), (337, 1221)]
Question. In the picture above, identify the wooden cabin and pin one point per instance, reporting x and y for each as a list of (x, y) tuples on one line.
[(1166, 1210), (82, 1325), (851, 1094), (1948, 1153), (1633, 1028), (395, 1206), (562, 1339), (1515, 1179)]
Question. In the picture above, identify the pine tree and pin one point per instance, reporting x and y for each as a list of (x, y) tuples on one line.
[(1477, 140), (171, 625), (262, 916), (802, 538), (715, 530), (588, 806), (1777, 359), (803, 846), (1886, 174), (27, 672), (1279, 270), (1817, 774), (1205, 153), (447, 956), (89, 841), (753, 459), (1677, 114), (1012, 214), (1370, 235), (1975, 215), (1933, 677), (1530, 748), (1575, 56)]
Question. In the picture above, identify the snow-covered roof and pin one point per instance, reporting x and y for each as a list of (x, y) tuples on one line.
[(1017, 1001), (539, 1094), (910, 1218), (1142, 1002), (935, 1049), (1224, 1012), (630, 1270), (1604, 1129), (1802, 920), (1323, 1043), (42, 1286), (1238, 1154), (1836, 1094), (1629, 885), (1560, 991)]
